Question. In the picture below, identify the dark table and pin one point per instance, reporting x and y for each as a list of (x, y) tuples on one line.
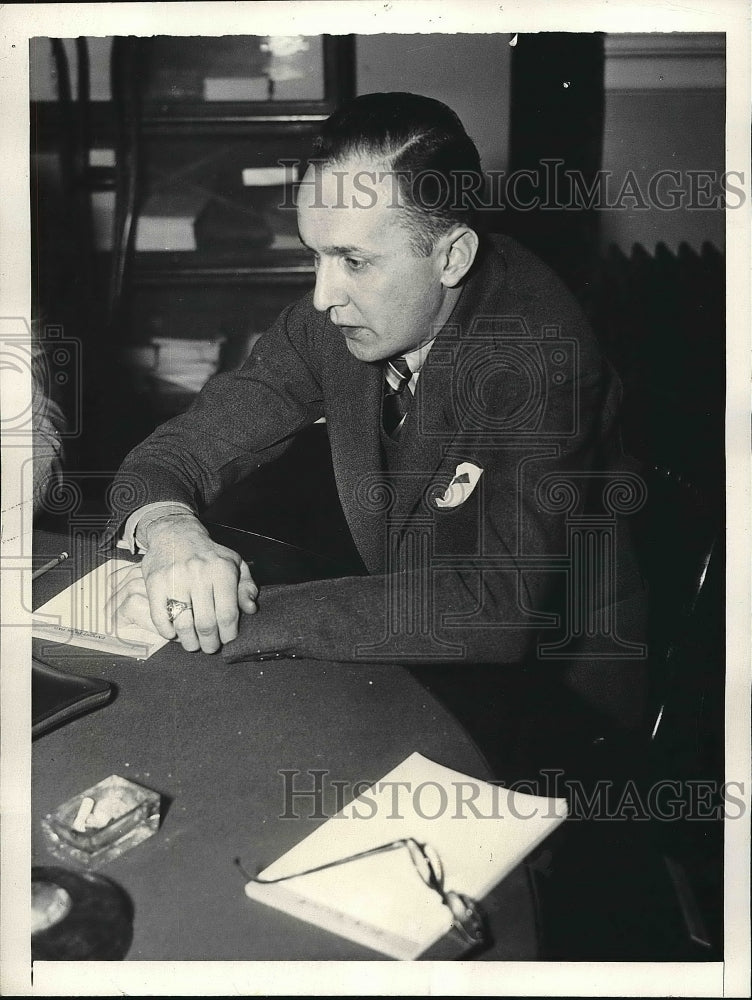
[(212, 739)]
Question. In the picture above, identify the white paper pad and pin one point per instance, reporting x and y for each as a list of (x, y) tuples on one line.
[(479, 831), (76, 616)]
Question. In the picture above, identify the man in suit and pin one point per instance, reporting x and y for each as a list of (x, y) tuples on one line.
[(473, 429)]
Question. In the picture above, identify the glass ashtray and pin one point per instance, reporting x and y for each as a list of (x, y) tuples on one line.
[(102, 822)]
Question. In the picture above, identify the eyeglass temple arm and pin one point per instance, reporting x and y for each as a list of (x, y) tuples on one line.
[(393, 845)]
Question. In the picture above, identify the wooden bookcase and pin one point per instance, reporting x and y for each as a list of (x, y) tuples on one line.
[(186, 117)]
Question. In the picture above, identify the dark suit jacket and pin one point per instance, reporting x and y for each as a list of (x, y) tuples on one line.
[(514, 384)]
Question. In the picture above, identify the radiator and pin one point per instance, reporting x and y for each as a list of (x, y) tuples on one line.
[(661, 321)]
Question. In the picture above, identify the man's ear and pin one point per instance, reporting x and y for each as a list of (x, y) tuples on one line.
[(461, 248)]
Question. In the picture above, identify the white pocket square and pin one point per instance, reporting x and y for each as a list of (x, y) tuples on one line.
[(463, 483)]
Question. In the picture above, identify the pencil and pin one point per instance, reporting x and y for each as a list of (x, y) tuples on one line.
[(49, 565)]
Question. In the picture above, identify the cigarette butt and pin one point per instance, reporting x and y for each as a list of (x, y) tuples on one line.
[(79, 823)]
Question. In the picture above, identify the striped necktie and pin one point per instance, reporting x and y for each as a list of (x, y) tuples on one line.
[(397, 396)]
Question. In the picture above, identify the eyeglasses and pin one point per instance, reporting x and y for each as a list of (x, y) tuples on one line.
[(467, 919)]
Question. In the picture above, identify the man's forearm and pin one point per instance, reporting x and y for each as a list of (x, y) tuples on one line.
[(356, 619)]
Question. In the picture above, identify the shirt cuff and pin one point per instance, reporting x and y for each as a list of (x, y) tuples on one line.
[(142, 518)]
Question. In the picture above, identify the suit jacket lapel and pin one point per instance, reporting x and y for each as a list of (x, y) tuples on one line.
[(352, 397), (435, 418), (428, 433)]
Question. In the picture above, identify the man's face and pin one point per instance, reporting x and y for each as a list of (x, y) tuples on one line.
[(382, 296)]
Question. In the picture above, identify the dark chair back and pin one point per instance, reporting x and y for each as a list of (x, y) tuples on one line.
[(675, 533)]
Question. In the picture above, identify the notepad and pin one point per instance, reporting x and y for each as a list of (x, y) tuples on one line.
[(76, 616), (479, 831)]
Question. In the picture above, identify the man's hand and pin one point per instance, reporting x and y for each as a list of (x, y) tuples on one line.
[(184, 564)]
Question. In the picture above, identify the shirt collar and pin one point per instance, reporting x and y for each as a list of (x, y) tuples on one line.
[(416, 359)]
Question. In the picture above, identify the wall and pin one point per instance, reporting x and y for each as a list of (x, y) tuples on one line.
[(469, 72), (665, 110)]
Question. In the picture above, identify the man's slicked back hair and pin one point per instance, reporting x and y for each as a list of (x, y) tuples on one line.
[(424, 144)]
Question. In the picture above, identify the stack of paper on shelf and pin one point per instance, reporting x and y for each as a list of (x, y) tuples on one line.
[(187, 364), (167, 220), (280, 174)]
